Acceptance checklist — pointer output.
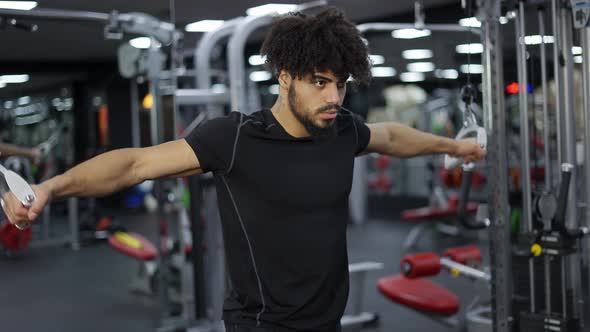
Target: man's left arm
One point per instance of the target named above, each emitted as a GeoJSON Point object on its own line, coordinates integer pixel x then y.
{"type": "Point", "coordinates": [395, 139]}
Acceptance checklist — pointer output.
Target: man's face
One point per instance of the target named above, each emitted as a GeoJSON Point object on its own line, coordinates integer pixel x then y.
{"type": "Point", "coordinates": [315, 101]}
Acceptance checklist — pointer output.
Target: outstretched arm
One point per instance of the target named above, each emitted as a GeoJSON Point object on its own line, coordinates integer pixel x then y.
{"type": "Point", "coordinates": [398, 140]}
{"type": "Point", "coordinates": [109, 172]}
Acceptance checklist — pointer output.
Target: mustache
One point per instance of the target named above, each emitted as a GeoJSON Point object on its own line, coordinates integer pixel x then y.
{"type": "Point", "coordinates": [328, 108]}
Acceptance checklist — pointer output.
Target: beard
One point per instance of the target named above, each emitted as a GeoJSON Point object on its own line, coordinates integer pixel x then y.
{"type": "Point", "coordinates": [306, 117]}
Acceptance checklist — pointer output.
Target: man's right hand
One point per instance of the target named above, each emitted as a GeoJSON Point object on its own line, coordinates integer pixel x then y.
{"type": "Point", "coordinates": [18, 214]}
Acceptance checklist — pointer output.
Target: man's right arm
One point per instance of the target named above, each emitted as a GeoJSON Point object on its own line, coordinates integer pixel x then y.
{"type": "Point", "coordinates": [110, 172]}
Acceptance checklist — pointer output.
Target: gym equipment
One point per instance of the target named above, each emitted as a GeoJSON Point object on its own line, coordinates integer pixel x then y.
{"type": "Point", "coordinates": [14, 239]}
{"type": "Point", "coordinates": [434, 301]}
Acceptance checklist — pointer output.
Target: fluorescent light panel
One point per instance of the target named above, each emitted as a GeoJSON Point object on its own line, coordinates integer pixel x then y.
{"type": "Point", "coordinates": [410, 33]}
{"type": "Point", "coordinates": [279, 8]}
{"type": "Point", "coordinates": [141, 42]}
{"type": "Point", "coordinates": [256, 60]}
{"type": "Point", "coordinates": [417, 54]}
{"type": "Point", "coordinates": [449, 74]}
{"type": "Point", "coordinates": [576, 50]}
{"type": "Point", "coordinates": [471, 22]}
{"type": "Point", "coordinates": [473, 48]}
{"type": "Point", "coordinates": [273, 89]}
{"type": "Point", "coordinates": [472, 69]}
{"type": "Point", "coordinates": [203, 26]}
{"type": "Point", "coordinates": [377, 59]}
{"type": "Point", "coordinates": [14, 79]}
{"type": "Point", "coordinates": [2, 85]}
{"type": "Point", "coordinates": [420, 67]}
{"type": "Point", "coordinates": [578, 59]}
{"type": "Point", "coordinates": [411, 77]}
{"type": "Point", "coordinates": [18, 5]}
{"type": "Point", "coordinates": [536, 39]}
{"type": "Point", "coordinates": [259, 76]}
{"type": "Point", "coordinates": [383, 72]}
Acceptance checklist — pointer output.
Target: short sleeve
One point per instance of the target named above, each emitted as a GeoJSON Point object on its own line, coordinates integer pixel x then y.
{"type": "Point", "coordinates": [212, 143]}
{"type": "Point", "coordinates": [363, 134]}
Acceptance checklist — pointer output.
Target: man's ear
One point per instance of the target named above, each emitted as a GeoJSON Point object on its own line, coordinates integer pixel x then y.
{"type": "Point", "coordinates": [285, 79]}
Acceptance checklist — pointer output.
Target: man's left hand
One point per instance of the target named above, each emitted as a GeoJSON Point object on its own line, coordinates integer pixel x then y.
{"type": "Point", "coordinates": [468, 149]}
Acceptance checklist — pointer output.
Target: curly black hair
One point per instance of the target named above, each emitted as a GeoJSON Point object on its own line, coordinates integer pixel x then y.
{"type": "Point", "coordinates": [302, 44]}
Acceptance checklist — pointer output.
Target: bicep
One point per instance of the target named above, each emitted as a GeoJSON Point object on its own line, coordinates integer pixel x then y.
{"type": "Point", "coordinates": [380, 141]}
{"type": "Point", "coordinates": [170, 159]}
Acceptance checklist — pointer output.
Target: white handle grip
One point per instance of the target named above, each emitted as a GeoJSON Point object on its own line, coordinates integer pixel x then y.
{"type": "Point", "coordinates": [481, 139]}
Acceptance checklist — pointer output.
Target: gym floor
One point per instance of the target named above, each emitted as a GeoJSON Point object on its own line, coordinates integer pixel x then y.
{"type": "Point", "coordinates": [61, 290]}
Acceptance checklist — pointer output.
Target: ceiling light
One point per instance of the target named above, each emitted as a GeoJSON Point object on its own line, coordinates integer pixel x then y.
{"type": "Point", "coordinates": [416, 54]}
{"type": "Point", "coordinates": [14, 78]}
{"type": "Point", "coordinates": [273, 89]}
{"type": "Point", "coordinates": [270, 8]}
{"type": "Point", "coordinates": [377, 59]}
{"type": "Point", "coordinates": [259, 76]}
{"type": "Point", "coordinates": [449, 74]}
{"type": "Point", "coordinates": [411, 77]}
{"type": "Point", "coordinates": [472, 69]}
{"type": "Point", "coordinates": [256, 60]}
{"type": "Point", "coordinates": [578, 59]}
{"type": "Point", "coordinates": [471, 22]}
{"type": "Point", "coordinates": [503, 20]}
{"type": "Point", "coordinates": [383, 72]}
{"type": "Point", "coordinates": [420, 67]}
{"type": "Point", "coordinates": [536, 39]}
{"type": "Point", "coordinates": [22, 101]}
{"type": "Point", "coordinates": [473, 48]}
{"type": "Point", "coordinates": [203, 26]}
{"type": "Point", "coordinates": [142, 42]}
{"type": "Point", "coordinates": [2, 85]}
{"type": "Point", "coordinates": [18, 5]}
{"type": "Point", "coordinates": [576, 50]}
{"type": "Point", "coordinates": [219, 88]}
{"type": "Point", "coordinates": [410, 33]}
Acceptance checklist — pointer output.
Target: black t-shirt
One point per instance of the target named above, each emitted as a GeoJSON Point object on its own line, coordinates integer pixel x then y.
{"type": "Point", "coordinates": [284, 208]}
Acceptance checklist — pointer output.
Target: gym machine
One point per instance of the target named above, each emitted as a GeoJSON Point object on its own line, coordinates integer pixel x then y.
{"type": "Point", "coordinates": [536, 282]}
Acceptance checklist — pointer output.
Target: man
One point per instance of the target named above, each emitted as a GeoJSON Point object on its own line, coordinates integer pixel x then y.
{"type": "Point", "coordinates": [283, 177]}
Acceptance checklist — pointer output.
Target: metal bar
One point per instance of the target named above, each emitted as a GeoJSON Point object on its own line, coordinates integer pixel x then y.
{"type": "Point", "coordinates": [57, 14]}
{"type": "Point", "coordinates": [73, 221]}
{"type": "Point", "coordinates": [546, 131]}
{"type": "Point", "coordinates": [558, 78]}
{"type": "Point", "coordinates": [135, 126]}
{"type": "Point", "coordinates": [524, 139]}
{"type": "Point", "coordinates": [385, 26]}
{"type": "Point", "coordinates": [572, 261]}
{"type": "Point", "coordinates": [202, 59]}
{"type": "Point", "coordinates": [235, 60]}
{"type": "Point", "coordinates": [200, 96]}
{"type": "Point", "coordinates": [464, 269]}
{"type": "Point", "coordinates": [546, 123]}
{"type": "Point", "coordinates": [495, 125]}
{"type": "Point", "coordinates": [585, 38]}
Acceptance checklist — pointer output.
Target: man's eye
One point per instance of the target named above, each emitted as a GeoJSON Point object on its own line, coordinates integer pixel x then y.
{"type": "Point", "coordinates": [319, 84]}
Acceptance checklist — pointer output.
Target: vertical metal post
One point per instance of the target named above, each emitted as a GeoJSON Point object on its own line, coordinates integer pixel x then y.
{"type": "Point", "coordinates": [547, 156]}
{"type": "Point", "coordinates": [557, 58]}
{"type": "Point", "coordinates": [524, 139]}
{"type": "Point", "coordinates": [585, 37]}
{"type": "Point", "coordinates": [495, 124]}
{"type": "Point", "coordinates": [572, 261]}
{"type": "Point", "coordinates": [73, 221]}
{"type": "Point", "coordinates": [546, 123]}
{"type": "Point", "coordinates": [135, 127]}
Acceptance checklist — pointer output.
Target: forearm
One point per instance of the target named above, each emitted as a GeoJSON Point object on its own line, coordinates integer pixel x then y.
{"type": "Point", "coordinates": [409, 142]}
{"type": "Point", "coordinates": [102, 175]}
{"type": "Point", "coordinates": [7, 150]}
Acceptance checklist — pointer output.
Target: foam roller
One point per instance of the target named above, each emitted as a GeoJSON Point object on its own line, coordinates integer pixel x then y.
{"type": "Point", "coordinates": [464, 255]}
{"type": "Point", "coordinates": [420, 265]}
